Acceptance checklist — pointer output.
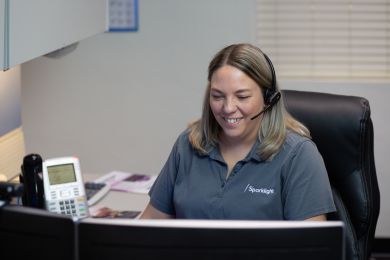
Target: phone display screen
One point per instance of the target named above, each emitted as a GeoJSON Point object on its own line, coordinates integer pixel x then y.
{"type": "Point", "coordinates": [60, 174]}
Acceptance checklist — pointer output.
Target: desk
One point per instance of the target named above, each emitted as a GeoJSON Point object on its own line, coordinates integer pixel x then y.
{"type": "Point", "coordinates": [117, 200]}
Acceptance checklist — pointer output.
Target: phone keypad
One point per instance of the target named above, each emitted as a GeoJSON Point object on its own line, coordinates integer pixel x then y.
{"type": "Point", "coordinates": [73, 207]}
{"type": "Point", "coordinates": [68, 207]}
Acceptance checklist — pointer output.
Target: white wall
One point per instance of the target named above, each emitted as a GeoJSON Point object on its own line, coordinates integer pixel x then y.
{"type": "Point", "coordinates": [120, 100]}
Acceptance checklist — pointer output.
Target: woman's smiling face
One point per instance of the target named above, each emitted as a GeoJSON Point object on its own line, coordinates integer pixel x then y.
{"type": "Point", "coordinates": [234, 99]}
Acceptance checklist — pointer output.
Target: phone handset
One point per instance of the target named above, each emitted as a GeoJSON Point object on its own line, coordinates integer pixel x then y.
{"type": "Point", "coordinates": [64, 187]}
{"type": "Point", "coordinates": [31, 178]}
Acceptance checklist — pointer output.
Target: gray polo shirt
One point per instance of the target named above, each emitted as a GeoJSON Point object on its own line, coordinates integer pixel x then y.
{"type": "Point", "coordinates": [293, 186]}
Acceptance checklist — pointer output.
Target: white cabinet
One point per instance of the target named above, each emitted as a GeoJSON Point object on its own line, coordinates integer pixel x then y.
{"type": "Point", "coordinates": [35, 28]}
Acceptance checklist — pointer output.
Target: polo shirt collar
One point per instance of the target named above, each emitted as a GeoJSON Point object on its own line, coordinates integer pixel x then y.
{"type": "Point", "coordinates": [253, 155]}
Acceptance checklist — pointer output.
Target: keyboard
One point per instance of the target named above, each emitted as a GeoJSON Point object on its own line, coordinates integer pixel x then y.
{"type": "Point", "coordinates": [95, 191]}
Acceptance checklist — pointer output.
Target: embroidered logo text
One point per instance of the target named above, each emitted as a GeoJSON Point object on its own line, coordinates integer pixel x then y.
{"type": "Point", "coordinates": [252, 189]}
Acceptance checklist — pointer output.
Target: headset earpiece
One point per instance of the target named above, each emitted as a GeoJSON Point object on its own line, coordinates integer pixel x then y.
{"type": "Point", "coordinates": [271, 95]}
{"type": "Point", "coordinates": [273, 99]}
{"type": "Point", "coordinates": [268, 94]}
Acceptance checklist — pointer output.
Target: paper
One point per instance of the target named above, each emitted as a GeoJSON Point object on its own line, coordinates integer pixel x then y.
{"type": "Point", "coordinates": [106, 212]}
{"type": "Point", "coordinates": [128, 182]}
{"type": "Point", "coordinates": [123, 15]}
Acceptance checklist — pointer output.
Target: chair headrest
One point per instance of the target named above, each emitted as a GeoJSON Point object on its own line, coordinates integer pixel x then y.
{"type": "Point", "coordinates": [339, 126]}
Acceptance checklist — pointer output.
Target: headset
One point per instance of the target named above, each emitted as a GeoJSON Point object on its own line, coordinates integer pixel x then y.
{"type": "Point", "coordinates": [271, 95]}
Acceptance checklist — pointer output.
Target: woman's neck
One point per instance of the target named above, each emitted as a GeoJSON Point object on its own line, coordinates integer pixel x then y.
{"type": "Point", "coordinates": [233, 143]}
{"type": "Point", "coordinates": [236, 149]}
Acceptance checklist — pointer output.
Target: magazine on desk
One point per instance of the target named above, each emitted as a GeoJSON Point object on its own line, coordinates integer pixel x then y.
{"type": "Point", "coordinates": [128, 182]}
{"type": "Point", "coordinates": [106, 212]}
{"type": "Point", "coordinates": [125, 182]}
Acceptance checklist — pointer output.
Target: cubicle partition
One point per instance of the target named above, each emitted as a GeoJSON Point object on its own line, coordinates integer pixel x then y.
{"type": "Point", "coordinates": [210, 239]}
{"type": "Point", "coordinates": [29, 233]}
{"type": "Point", "coordinates": [38, 234]}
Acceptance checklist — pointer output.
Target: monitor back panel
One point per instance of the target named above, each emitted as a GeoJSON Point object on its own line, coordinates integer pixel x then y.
{"type": "Point", "coordinates": [102, 241]}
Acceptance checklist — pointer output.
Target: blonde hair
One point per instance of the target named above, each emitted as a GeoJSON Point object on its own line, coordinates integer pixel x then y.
{"type": "Point", "coordinates": [276, 121]}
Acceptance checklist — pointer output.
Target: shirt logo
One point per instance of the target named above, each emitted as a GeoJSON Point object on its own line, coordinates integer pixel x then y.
{"type": "Point", "coordinates": [250, 188]}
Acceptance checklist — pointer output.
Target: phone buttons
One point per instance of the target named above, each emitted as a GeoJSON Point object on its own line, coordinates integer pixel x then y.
{"type": "Point", "coordinates": [64, 193]}
{"type": "Point", "coordinates": [76, 191]}
{"type": "Point", "coordinates": [53, 195]}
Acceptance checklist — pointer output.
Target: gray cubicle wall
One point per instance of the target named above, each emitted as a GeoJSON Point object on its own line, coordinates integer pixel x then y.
{"type": "Point", "coordinates": [11, 133]}
{"type": "Point", "coordinates": [10, 109]}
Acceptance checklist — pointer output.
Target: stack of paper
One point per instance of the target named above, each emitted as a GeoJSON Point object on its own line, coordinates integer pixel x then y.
{"type": "Point", "coordinates": [128, 182]}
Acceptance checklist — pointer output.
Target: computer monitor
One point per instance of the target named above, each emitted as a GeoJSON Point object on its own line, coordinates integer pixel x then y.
{"type": "Point", "coordinates": [210, 239]}
{"type": "Point", "coordinates": [29, 233]}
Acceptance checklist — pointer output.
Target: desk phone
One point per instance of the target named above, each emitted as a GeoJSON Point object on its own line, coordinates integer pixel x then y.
{"type": "Point", "coordinates": [63, 187]}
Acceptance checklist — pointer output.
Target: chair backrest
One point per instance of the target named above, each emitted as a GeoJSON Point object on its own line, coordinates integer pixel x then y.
{"type": "Point", "coordinates": [342, 129]}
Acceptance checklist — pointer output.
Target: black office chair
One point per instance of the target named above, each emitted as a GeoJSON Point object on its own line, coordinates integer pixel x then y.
{"type": "Point", "coordinates": [342, 129]}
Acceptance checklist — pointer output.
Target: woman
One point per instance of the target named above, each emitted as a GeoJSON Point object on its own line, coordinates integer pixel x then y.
{"type": "Point", "coordinates": [246, 158]}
